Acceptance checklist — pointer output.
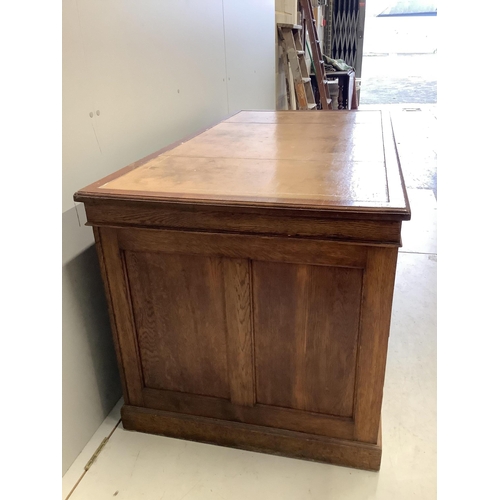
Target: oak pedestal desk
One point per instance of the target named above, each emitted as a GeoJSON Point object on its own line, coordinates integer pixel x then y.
{"type": "Point", "coordinates": [249, 273]}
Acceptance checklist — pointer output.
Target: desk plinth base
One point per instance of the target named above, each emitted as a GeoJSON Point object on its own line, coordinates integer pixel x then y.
{"type": "Point", "coordinates": [355, 454]}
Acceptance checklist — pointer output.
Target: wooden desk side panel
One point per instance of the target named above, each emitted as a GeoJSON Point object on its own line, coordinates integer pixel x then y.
{"type": "Point", "coordinates": [121, 315]}
{"type": "Point", "coordinates": [376, 311]}
{"type": "Point", "coordinates": [348, 226]}
{"type": "Point", "coordinates": [254, 438]}
{"type": "Point", "coordinates": [111, 312]}
{"type": "Point", "coordinates": [239, 330]}
{"type": "Point", "coordinates": [346, 292]}
{"type": "Point", "coordinates": [180, 321]}
{"type": "Point", "coordinates": [306, 335]}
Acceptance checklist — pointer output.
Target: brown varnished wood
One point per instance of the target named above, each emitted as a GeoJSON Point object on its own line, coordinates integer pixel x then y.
{"type": "Point", "coordinates": [374, 336]}
{"type": "Point", "coordinates": [341, 164]}
{"type": "Point", "coordinates": [112, 315]}
{"type": "Point", "coordinates": [123, 316]}
{"type": "Point", "coordinates": [147, 158]}
{"type": "Point", "coordinates": [255, 438]}
{"type": "Point", "coordinates": [123, 214]}
{"type": "Point", "coordinates": [304, 166]}
{"type": "Point", "coordinates": [249, 273]}
{"type": "Point", "coordinates": [191, 178]}
{"type": "Point", "coordinates": [180, 321]}
{"type": "Point", "coordinates": [237, 288]}
{"type": "Point", "coordinates": [305, 358]}
{"type": "Point", "coordinates": [243, 246]}
{"type": "Point", "coordinates": [258, 414]}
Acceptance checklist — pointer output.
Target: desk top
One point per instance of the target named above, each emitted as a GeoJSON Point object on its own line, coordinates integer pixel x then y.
{"type": "Point", "coordinates": [332, 161]}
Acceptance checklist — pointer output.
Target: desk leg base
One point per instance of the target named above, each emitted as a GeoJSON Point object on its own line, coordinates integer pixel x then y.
{"type": "Point", "coordinates": [254, 438]}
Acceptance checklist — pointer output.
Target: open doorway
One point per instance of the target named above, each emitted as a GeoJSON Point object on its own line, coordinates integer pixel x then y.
{"type": "Point", "coordinates": [399, 52]}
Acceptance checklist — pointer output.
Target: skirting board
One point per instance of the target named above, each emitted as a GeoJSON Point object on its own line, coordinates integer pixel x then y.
{"type": "Point", "coordinates": [254, 438]}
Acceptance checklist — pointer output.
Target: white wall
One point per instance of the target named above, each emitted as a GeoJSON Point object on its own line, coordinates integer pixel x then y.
{"type": "Point", "coordinates": [156, 71]}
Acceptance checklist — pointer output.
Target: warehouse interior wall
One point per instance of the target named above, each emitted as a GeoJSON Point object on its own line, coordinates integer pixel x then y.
{"type": "Point", "coordinates": [138, 76]}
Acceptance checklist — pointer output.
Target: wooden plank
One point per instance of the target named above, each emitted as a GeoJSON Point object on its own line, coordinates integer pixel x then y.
{"type": "Point", "coordinates": [273, 159]}
{"type": "Point", "coordinates": [317, 56]}
{"type": "Point", "coordinates": [111, 312]}
{"type": "Point", "coordinates": [306, 336]}
{"type": "Point", "coordinates": [303, 68]}
{"type": "Point", "coordinates": [290, 87]}
{"type": "Point", "coordinates": [335, 148]}
{"type": "Point", "coordinates": [301, 180]}
{"type": "Point", "coordinates": [96, 185]}
{"type": "Point", "coordinates": [291, 52]}
{"type": "Point", "coordinates": [236, 246]}
{"type": "Point", "coordinates": [123, 316]}
{"type": "Point", "coordinates": [267, 415]}
{"type": "Point", "coordinates": [373, 341]}
{"type": "Point", "coordinates": [293, 37]}
{"type": "Point", "coordinates": [255, 438]}
{"type": "Point", "coordinates": [180, 321]}
{"type": "Point", "coordinates": [238, 295]}
{"type": "Point", "coordinates": [289, 26]}
{"type": "Point", "coordinates": [296, 224]}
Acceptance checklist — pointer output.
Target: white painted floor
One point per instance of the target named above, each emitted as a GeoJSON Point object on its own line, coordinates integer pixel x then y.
{"type": "Point", "coordinates": [134, 466]}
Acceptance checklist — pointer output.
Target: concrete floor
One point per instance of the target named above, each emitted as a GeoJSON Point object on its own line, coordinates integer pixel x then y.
{"type": "Point", "coordinates": [400, 58]}
{"type": "Point", "coordinates": [133, 465]}
{"type": "Point", "coordinates": [415, 127]}
{"type": "Point", "coordinates": [399, 78]}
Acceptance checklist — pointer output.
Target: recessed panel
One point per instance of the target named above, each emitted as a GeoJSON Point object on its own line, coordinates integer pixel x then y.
{"type": "Point", "coordinates": [178, 303]}
{"type": "Point", "coordinates": [306, 321]}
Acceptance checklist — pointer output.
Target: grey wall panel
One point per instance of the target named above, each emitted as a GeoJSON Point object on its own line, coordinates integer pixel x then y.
{"type": "Point", "coordinates": [138, 76]}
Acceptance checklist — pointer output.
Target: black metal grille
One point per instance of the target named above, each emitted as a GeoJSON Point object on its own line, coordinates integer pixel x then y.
{"type": "Point", "coordinates": [344, 40]}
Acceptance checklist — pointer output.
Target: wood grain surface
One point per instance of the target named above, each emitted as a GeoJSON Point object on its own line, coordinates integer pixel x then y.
{"type": "Point", "coordinates": [375, 324]}
{"type": "Point", "coordinates": [258, 414]}
{"type": "Point", "coordinates": [237, 246]}
{"type": "Point", "coordinates": [179, 315]}
{"type": "Point", "coordinates": [237, 288]}
{"type": "Point", "coordinates": [249, 273]}
{"type": "Point", "coordinates": [306, 335]}
{"type": "Point", "coordinates": [283, 158]}
{"type": "Point", "coordinates": [254, 438]}
{"type": "Point", "coordinates": [374, 228]}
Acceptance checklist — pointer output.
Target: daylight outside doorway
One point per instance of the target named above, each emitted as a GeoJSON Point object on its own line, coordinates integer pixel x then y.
{"type": "Point", "coordinates": [399, 53]}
